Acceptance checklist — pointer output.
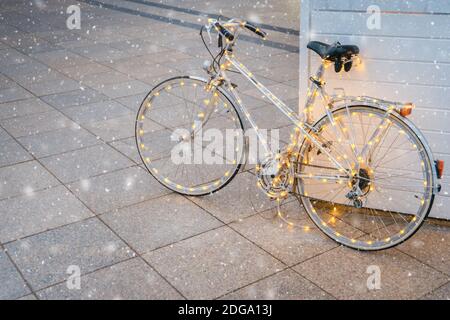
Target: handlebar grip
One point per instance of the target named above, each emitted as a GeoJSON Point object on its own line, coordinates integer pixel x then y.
{"type": "Point", "coordinates": [227, 34]}
{"type": "Point", "coordinates": [255, 29]}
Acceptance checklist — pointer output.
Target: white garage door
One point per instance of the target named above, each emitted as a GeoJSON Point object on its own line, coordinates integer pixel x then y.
{"type": "Point", "coordinates": [406, 57]}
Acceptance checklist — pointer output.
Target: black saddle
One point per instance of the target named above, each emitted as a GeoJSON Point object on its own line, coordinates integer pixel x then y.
{"type": "Point", "coordinates": [334, 53]}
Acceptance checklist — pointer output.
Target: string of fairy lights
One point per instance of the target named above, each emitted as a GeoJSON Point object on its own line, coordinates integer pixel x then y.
{"type": "Point", "coordinates": [283, 183]}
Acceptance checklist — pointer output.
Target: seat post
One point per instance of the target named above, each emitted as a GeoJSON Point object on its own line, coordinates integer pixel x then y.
{"type": "Point", "coordinates": [320, 71]}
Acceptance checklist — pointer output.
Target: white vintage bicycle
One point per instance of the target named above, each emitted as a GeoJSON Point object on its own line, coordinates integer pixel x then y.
{"type": "Point", "coordinates": [363, 172]}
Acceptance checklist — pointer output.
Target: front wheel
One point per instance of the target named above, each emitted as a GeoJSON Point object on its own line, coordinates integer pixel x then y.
{"type": "Point", "coordinates": [386, 190]}
{"type": "Point", "coordinates": [189, 136]}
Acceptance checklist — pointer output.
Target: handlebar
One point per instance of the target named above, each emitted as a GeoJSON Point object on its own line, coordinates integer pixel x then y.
{"type": "Point", "coordinates": [223, 28]}
{"type": "Point", "coordinates": [255, 29]}
{"type": "Point", "coordinates": [227, 34]}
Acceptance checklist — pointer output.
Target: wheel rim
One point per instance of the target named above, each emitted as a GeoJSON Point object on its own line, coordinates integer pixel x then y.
{"type": "Point", "coordinates": [395, 202]}
{"type": "Point", "coordinates": [169, 127]}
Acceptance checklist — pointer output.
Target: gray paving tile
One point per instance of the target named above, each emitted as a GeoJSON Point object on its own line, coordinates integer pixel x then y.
{"type": "Point", "coordinates": [197, 52]}
{"type": "Point", "coordinates": [137, 46]}
{"type": "Point", "coordinates": [289, 244]}
{"type": "Point", "coordinates": [28, 297]}
{"type": "Point", "coordinates": [123, 89]}
{"type": "Point", "coordinates": [20, 40]}
{"type": "Point", "coordinates": [136, 34]}
{"type": "Point", "coordinates": [60, 58]}
{"type": "Point", "coordinates": [283, 73]}
{"type": "Point", "coordinates": [282, 91]}
{"type": "Point", "coordinates": [285, 285]}
{"type": "Point", "coordinates": [128, 148]}
{"type": "Point", "coordinates": [239, 199]}
{"type": "Point", "coordinates": [58, 141]}
{"type": "Point", "coordinates": [13, 286]}
{"type": "Point", "coordinates": [80, 41]}
{"type": "Point", "coordinates": [39, 211]}
{"type": "Point", "coordinates": [251, 102]}
{"type": "Point", "coordinates": [4, 135]}
{"type": "Point", "coordinates": [11, 152]}
{"type": "Point", "coordinates": [35, 45]}
{"type": "Point", "coordinates": [100, 52]}
{"type": "Point", "coordinates": [43, 88]}
{"type": "Point", "coordinates": [57, 36]}
{"type": "Point", "coordinates": [36, 123]}
{"type": "Point", "coordinates": [98, 111]}
{"type": "Point", "coordinates": [22, 108]}
{"type": "Point", "coordinates": [259, 51]}
{"type": "Point", "coordinates": [128, 280]}
{"type": "Point", "coordinates": [80, 72]}
{"type": "Point", "coordinates": [156, 223]}
{"type": "Point", "coordinates": [430, 236]}
{"type": "Point", "coordinates": [44, 258]}
{"type": "Point", "coordinates": [84, 163]}
{"type": "Point", "coordinates": [115, 129]}
{"type": "Point", "coordinates": [212, 264]}
{"type": "Point", "coordinates": [36, 75]}
{"type": "Point", "coordinates": [140, 71]}
{"type": "Point", "coordinates": [118, 189]}
{"type": "Point", "coordinates": [186, 65]}
{"type": "Point", "coordinates": [99, 80]}
{"type": "Point", "coordinates": [12, 56]}
{"type": "Point", "coordinates": [31, 27]}
{"type": "Point", "coordinates": [442, 293]}
{"type": "Point", "coordinates": [132, 102]}
{"type": "Point", "coordinates": [149, 62]}
{"type": "Point", "coordinates": [293, 83]}
{"type": "Point", "coordinates": [13, 94]}
{"type": "Point", "coordinates": [27, 72]}
{"type": "Point", "coordinates": [344, 273]}
{"type": "Point", "coordinates": [153, 80]}
{"type": "Point", "coordinates": [107, 34]}
{"type": "Point", "coordinates": [24, 178]}
{"type": "Point", "coordinates": [5, 83]}
{"type": "Point", "coordinates": [74, 98]}
{"type": "Point", "coordinates": [268, 117]}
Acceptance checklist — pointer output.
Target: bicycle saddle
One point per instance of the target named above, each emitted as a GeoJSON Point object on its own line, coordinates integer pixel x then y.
{"type": "Point", "coordinates": [334, 52]}
{"type": "Point", "coordinates": [331, 52]}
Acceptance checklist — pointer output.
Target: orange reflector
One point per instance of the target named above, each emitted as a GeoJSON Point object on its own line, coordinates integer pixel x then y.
{"type": "Point", "coordinates": [406, 109]}
{"type": "Point", "coordinates": [440, 168]}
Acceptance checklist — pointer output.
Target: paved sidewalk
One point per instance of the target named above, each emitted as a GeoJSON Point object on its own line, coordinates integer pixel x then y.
{"type": "Point", "coordinates": [73, 191]}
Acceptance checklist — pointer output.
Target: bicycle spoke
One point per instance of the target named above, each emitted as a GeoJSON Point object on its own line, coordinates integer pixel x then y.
{"type": "Point", "coordinates": [179, 103]}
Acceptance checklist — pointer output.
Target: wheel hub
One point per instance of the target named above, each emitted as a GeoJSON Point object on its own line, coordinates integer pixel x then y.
{"type": "Point", "coordinates": [364, 180]}
{"type": "Point", "coordinates": [361, 186]}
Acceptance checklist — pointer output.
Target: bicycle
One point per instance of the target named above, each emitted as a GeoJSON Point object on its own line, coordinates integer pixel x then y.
{"type": "Point", "coordinates": [363, 172]}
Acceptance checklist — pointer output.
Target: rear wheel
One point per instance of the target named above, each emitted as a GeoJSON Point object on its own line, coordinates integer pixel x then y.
{"type": "Point", "coordinates": [189, 138]}
{"type": "Point", "coordinates": [386, 193]}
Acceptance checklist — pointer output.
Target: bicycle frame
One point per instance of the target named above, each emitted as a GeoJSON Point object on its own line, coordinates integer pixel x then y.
{"type": "Point", "coordinates": [347, 156]}
{"type": "Point", "coordinates": [316, 88]}
{"type": "Point", "coordinates": [304, 127]}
